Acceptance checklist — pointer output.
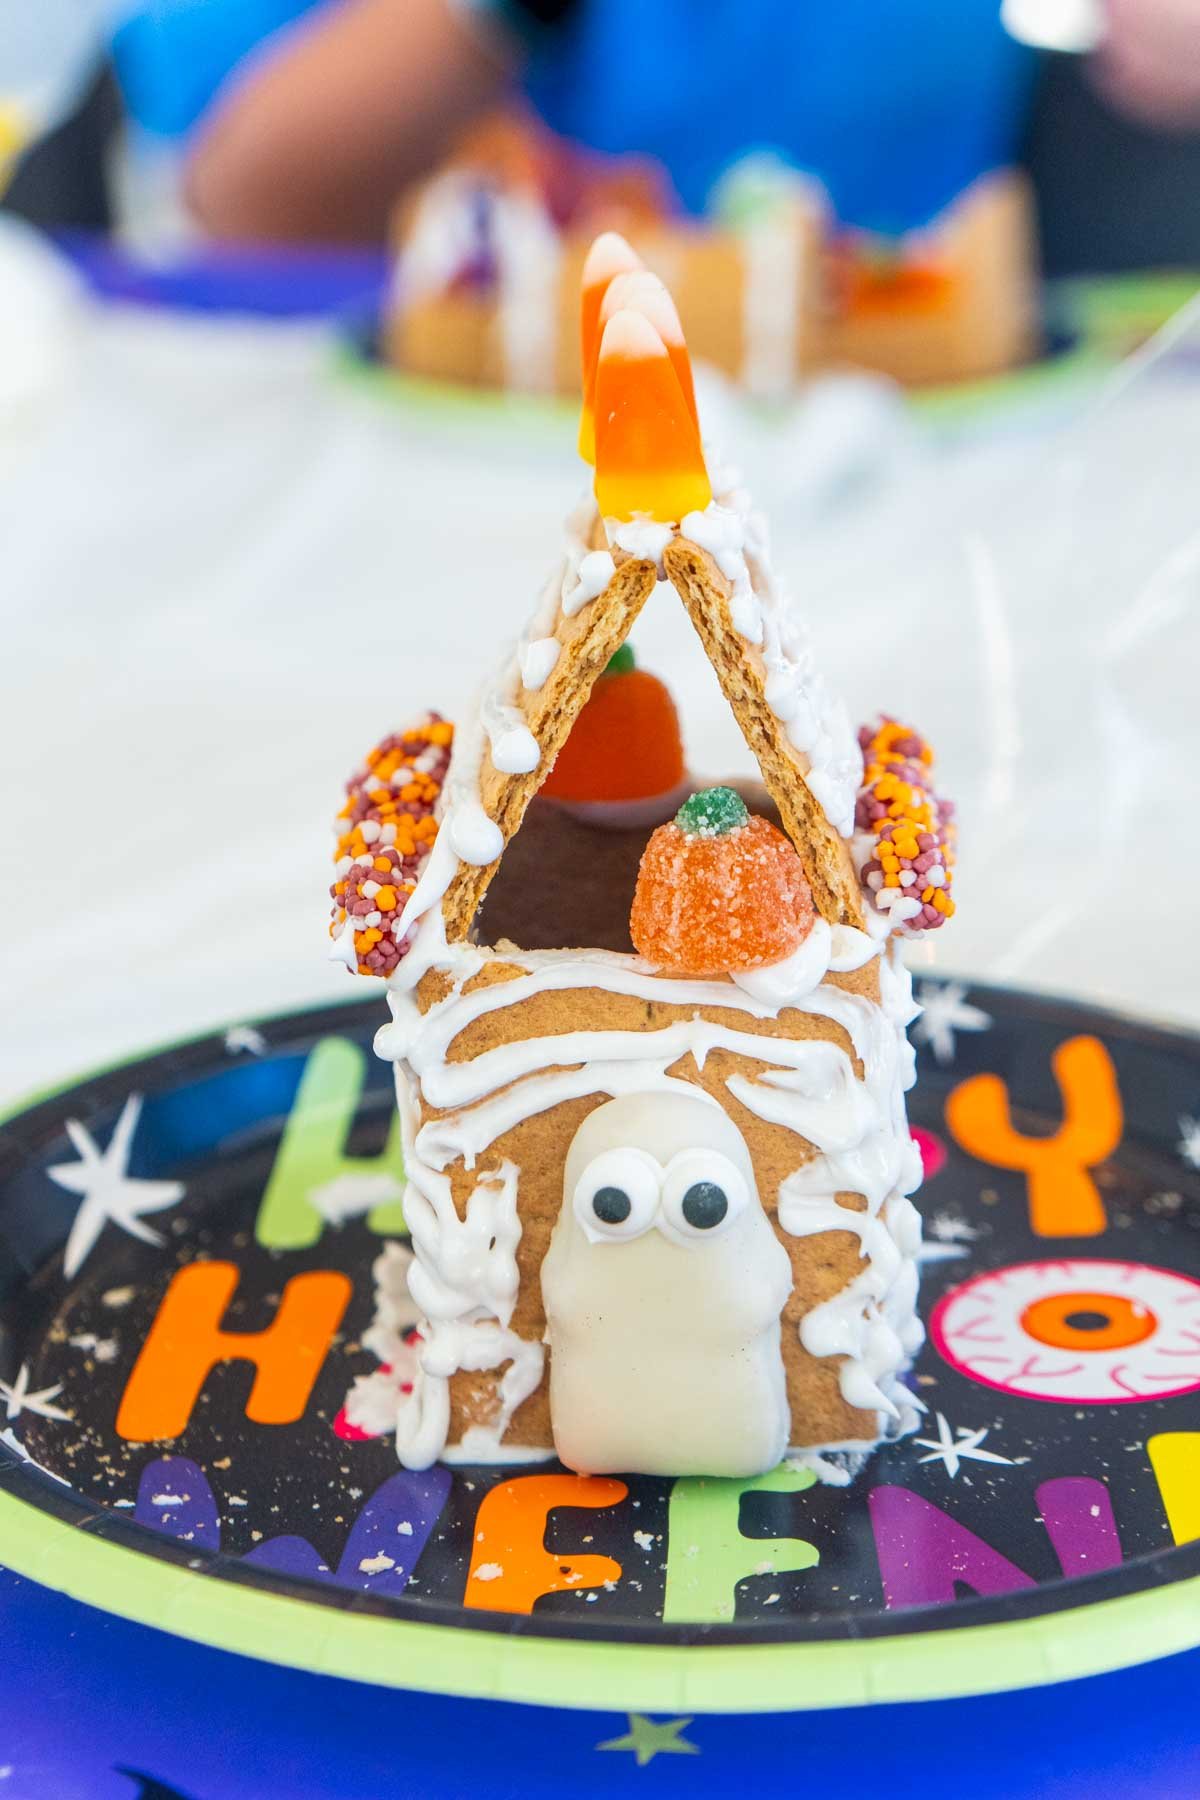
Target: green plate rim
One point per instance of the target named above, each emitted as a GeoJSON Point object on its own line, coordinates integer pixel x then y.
{"type": "Point", "coordinates": [948, 1663]}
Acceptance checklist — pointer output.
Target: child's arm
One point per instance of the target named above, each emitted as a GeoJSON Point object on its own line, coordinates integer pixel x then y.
{"type": "Point", "coordinates": [315, 138]}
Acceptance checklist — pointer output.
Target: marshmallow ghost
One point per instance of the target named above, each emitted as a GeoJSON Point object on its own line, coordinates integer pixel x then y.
{"type": "Point", "coordinates": [663, 1287]}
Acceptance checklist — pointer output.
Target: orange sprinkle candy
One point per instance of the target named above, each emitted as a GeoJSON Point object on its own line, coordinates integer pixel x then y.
{"type": "Point", "coordinates": [648, 455]}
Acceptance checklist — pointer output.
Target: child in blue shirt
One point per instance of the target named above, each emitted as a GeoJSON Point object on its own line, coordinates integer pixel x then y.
{"type": "Point", "coordinates": [895, 105]}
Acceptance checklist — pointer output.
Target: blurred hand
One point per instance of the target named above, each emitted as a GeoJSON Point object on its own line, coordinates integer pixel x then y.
{"type": "Point", "coordinates": [1148, 64]}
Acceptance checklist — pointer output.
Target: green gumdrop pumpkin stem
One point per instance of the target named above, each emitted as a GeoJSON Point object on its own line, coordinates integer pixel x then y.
{"type": "Point", "coordinates": [712, 813]}
{"type": "Point", "coordinates": [621, 661]}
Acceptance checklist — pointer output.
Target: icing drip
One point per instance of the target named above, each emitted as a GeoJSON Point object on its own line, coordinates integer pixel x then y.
{"type": "Point", "coordinates": [465, 1280]}
{"type": "Point", "coordinates": [818, 726]}
{"type": "Point", "coordinates": [514, 748]}
{"type": "Point", "coordinates": [374, 1399]}
{"type": "Point", "coordinates": [539, 658]}
{"type": "Point", "coordinates": [857, 1125]}
{"type": "Point", "coordinates": [585, 578]}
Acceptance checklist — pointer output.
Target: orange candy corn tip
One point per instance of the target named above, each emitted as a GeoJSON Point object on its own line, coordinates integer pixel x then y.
{"type": "Point", "coordinates": [609, 255]}
{"type": "Point", "coordinates": [648, 455]}
{"type": "Point", "coordinates": [642, 291]}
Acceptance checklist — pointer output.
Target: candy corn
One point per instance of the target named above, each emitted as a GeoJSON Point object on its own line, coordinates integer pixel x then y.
{"type": "Point", "coordinates": [641, 291]}
{"type": "Point", "coordinates": [610, 255]}
{"type": "Point", "coordinates": [648, 455]}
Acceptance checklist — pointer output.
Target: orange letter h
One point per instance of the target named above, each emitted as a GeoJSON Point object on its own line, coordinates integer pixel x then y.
{"type": "Point", "coordinates": [186, 1342]}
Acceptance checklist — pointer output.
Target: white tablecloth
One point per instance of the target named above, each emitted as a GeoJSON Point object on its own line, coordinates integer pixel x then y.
{"type": "Point", "coordinates": [225, 570]}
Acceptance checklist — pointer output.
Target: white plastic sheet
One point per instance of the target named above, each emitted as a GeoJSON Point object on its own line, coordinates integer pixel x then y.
{"type": "Point", "coordinates": [224, 571]}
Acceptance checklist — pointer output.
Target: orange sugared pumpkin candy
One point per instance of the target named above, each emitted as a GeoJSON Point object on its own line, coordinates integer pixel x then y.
{"type": "Point", "coordinates": [625, 744]}
{"type": "Point", "coordinates": [719, 891]}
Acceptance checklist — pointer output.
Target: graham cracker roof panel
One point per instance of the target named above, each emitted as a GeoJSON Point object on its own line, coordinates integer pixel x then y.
{"type": "Point", "coordinates": [705, 593]}
{"type": "Point", "coordinates": [587, 640]}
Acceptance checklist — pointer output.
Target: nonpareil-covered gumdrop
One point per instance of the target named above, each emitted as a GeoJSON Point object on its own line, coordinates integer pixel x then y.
{"type": "Point", "coordinates": [625, 744]}
{"type": "Point", "coordinates": [719, 890]}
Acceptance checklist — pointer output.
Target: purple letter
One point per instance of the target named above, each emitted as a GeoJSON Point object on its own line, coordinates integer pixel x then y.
{"type": "Point", "coordinates": [1080, 1524]}
{"type": "Point", "coordinates": [922, 1552]}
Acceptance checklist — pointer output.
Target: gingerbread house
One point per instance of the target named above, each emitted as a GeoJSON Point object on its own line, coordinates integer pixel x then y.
{"type": "Point", "coordinates": [488, 254]}
{"type": "Point", "coordinates": [659, 1202]}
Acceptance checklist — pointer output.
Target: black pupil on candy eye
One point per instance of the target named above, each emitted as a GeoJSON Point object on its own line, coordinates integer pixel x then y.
{"type": "Point", "coordinates": [704, 1205]}
{"type": "Point", "coordinates": [1087, 1321]}
{"type": "Point", "coordinates": [611, 1205]}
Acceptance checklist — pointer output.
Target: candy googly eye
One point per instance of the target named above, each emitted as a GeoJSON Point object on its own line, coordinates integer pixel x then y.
{"type": "Point", "coordinates": [703, 1193]}
{"type": "Point", "coordinates": [617, 1196]}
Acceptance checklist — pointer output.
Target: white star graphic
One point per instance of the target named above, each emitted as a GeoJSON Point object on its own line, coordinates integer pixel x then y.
{"type": "Point", "coordinates": [945, 1010]}
{"type": "Point", "coordinates": [952, 1237]}
{"type": "Point", "coordinates": [13, 1443]}
{"type": "Point", "coordinates": [109, 1193]}
{"type": "Point", "coordinates": [18, 1399]}
{"type": "Point", "coordinates": [1189, 1140]}
{"type": "Point", "coordinates": [951, 1450]}
{"type": "Point", "coordinates": [245, 1037]}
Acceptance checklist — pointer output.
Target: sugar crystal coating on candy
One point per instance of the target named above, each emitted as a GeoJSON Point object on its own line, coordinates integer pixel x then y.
{"type": "Point", "coordinates": [649, 461]}
{"type": "Point", "coordinates": [385, 832]}
{"type": "Point", "coordinates": [912, 856]}
{"type": "Point", "coordinates": [715, 903]}
{"type": "Point", "coordinates": [712, 811]}
{"type": "Point", "coordinates": [625, 744]}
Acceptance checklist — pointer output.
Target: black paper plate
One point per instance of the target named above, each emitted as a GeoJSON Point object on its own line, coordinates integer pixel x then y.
{"type": "Point", "coordinates": [1039, 1524]}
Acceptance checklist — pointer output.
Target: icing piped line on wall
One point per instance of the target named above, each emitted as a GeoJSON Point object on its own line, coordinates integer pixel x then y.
{"type": "Point", "coordinates": [811, 1088]}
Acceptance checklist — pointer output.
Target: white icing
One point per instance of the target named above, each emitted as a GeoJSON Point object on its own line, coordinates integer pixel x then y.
{"type": "Point", "coordinates": [465, 1280]}
{"type": "Point", "coordinates": [856, 1124]}
{"type": "Point", "coordinates": [811, 1087]}
{"type": "Point", "coordinates": [774, 981]}
{"type": "Point", "coordinates": [818, 726]}
{"type": "Point", "coordinates": [539, 658]}
{"type": "Point", "coordinates": [643, 538]}
{"type": "Point", "coordinates": [514, 748]}
{"type": "Point", "coordinates": [665, 1351]}
{"type": "Point", "coordinates": [585, 579]}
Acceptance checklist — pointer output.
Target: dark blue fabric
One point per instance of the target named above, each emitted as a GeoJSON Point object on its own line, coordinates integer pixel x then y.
{"type": "Point", "coordinates": [896, 105]}
{"type": "Point", "coordinates": [171, 56]}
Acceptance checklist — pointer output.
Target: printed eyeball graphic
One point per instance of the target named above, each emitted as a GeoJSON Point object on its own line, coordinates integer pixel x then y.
{"type": "Point", "coordinates": [1096, 1333]}
{"type": "Point", "coordinates": [703, 1193]}
{"type": "Point", "coordinates": [617, 1195]}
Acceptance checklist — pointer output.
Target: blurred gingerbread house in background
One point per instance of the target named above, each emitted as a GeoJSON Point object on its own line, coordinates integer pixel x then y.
{"type": "Point", "coordinates": [489, 250]}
